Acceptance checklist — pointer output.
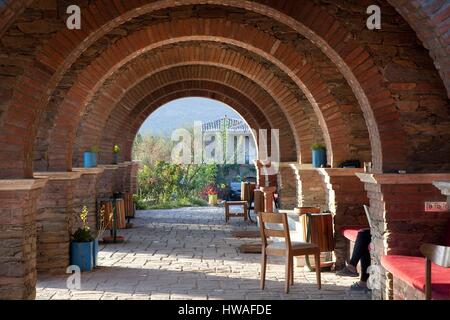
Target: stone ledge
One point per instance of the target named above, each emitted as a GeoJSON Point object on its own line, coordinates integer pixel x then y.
{"type": "Point", "coordinates": [83, 171]}
{"type": "Point", "coordinates": [58, 175]}
{"type": "Point", "coordinates": [339, 172]}
{"type": "Point", "coordinates": [22, 184]}
{"type": "Point", "coordinates": [393, 178]}
{"type": "Point", "coordinates": [109, 166]}
{"type": "Point", "coordinates": [444, 186]}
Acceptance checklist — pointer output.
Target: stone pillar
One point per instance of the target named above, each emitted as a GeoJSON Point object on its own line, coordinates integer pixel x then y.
{"type": "Point", "coordinates": [86, 195]}
{"type": "Point", "coordinates": [345, 196]}
{"type": "Point", "coordinates": [264, 175]}
{"type": "Point", "coordinates": [127, 177]}
{"type": "Point", "coordinates": [121, 177]}
{"type": "Point", "coordinates": [107, 183]}
{"type": "Point", "coordinates": [399, 221]}
{"type": "Point", "coordinates": [135, 165]}
{"type": "Point", "coordinates": [310, 187]}
{"type": "Point", "coordinates": [268, 198]}
{"type": "Point", "coordinates": [287, 186]}
{"type": "Point", "coordinates": [444, 186]}
{"type": "Point", "coordinates": [18, 209]}
{"type": "Point", "coordinates": [54, 220]}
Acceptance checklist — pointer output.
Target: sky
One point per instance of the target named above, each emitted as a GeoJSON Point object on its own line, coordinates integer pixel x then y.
{"type": "Point", "coordinates": [182, 112]}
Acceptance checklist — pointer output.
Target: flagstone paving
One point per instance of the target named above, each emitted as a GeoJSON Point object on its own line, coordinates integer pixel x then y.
{"type": "Point", "coordinates": [189, 253]}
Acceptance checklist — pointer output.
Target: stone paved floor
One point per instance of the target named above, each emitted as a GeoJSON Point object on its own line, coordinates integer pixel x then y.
{"type": "Point", "coordinates": [188, 254]}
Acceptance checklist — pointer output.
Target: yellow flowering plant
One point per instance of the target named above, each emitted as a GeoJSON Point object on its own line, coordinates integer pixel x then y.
{"type": "Point", "coordinates": [83, 234]}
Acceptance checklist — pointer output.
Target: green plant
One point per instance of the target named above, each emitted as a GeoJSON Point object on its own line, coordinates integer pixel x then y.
{"type": "Point", "coordinates": [83, 234]}
{"type": "Point", "coordinates": [116, 149]}
{"type": "Point", "coordinates": [317, 146]}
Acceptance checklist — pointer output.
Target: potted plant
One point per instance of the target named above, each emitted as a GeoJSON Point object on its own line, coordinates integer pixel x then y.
{"type": "Point", "coordinates": [81, 247]}
{"type": "Point", "coordinates": [104, 221]}
{"type": "Point", "coordinates": [90, 157]}
{"type": "Point", "coordinates": [212, 195]}
{"type": "Point", "coordinates": [319, 155]}
{"type": "Point", "coordinates": [116, 150]}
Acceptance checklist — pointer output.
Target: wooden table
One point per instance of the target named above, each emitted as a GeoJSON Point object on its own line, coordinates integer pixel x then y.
{"type": "Point", "coordinates": [229, 214]}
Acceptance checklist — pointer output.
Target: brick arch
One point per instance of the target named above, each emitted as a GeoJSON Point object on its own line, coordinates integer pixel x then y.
{"type": "Point", "coordinates": [125, 132]}
{"type": "Point", "coordinates": [71, 45]}
{"type": "Point", "coordinates": [430, 20]}
{"type": "Point", "coordinates": [146, 94]}
{"type": "Point", "coordinates": [153, 64]}
{"type": "Point", "coordinates": [281, 52]}
{"type": "Point", "coordinates": [133, 129]}
{"type": "Point", "coordinates": [321, 28]}
{"type": "Point", "coordinates": [10, 10]}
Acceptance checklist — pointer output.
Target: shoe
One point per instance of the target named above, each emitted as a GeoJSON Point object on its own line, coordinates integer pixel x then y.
{"type": "Point", "coordinates": [357, 287]}
{"type": "Point", "coordinates": [346, 272]}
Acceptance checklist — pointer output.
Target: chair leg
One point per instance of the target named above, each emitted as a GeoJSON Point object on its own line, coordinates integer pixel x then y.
{"type": "Point", "coordinates": [263, 269]}
{"type": "Point", "coordinates": [292, 271]}
{"type": "Point", "coordinates": [288, 273]}
{"type": "Point", "coordinates": [317, 262]}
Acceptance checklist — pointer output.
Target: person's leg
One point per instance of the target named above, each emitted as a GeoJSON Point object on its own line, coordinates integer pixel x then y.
{"type": "Point", "coordinates": [361, 248]}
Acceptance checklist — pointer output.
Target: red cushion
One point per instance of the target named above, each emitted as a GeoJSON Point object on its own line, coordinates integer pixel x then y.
{"type": "Point", "coordinates": [351, 232]}
{"type": "Point", "coordinates": [412, 271]}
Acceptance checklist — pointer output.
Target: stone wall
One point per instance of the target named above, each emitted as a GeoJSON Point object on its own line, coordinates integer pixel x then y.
{"type": "Point", "coordinates": [345, 196]}
{"type": "Point", "coordinates": [86, 195]}
{"type": "Point", "coordinates": [55, 216]}
{"type": "Point", "coordinates": [18, 206]}
{"type": "Point", "coordinates": [287, 187]}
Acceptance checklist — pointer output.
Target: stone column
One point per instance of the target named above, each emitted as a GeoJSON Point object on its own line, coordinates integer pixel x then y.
{"type": "Point", "coordinates": [268, 198]}
{"type": "Point", "coordinates": [86, 195]}
{"type": "Point", "coordinates": [310, 187]}
{"type": "Point", "coordinates": [345, 197]}
{"type": "Point", "coordinates": [264, 175]}
{"type": "Point", "coordinates": [135, 165]}
{"type": "Point", "coordinates": [18, 210]}
{"type": "Point", "coordinates": [107, 183]}
{"type": "Point", "coordinates": [444, 186]}
{"type": "Point", "coordinates": [399, 221]}
{"type": "Point", "coordinates": [287, 186]}
{"type": "Point", "coordinates": [54, 219]}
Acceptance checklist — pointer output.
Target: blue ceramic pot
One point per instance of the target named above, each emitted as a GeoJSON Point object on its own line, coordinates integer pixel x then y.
{"type": "Point", "coordinates": [319, 158]}
{"type": "Point", "coordinates": [81, 255]}
{"type": "Point", "coordinates": [95, 253]}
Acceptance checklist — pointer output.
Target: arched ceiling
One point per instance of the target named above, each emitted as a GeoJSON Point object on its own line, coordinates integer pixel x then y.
{"type": "Point", "coordinates": [312, 58]}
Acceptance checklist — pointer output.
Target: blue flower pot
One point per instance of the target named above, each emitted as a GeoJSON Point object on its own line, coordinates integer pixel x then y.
{"type": "Point", "coordinates": [90, 159]}
{"type": "Point", "coordinates": [95, 253]}
{"type": "Point", "coordinates": [116, 158]}
{"type": "Point", "coordinates": [319, 158]}
{"type": "Point", "coordinates": [81, 255]}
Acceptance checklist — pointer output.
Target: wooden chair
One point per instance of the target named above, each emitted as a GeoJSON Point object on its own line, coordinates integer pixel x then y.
{"type": "Point", "coordinates": [229, 214]}
{"type": "Point", "coordinates": [284, 248]}
{"type": "Point", "coordinates": [438, 255]}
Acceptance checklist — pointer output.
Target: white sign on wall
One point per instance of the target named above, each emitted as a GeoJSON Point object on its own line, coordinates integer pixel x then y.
{"type": "Point", "coordinates": [436, 207]}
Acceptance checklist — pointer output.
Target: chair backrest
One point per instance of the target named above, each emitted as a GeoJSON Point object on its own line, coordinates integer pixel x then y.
{"type": "Point", "coordinates": [367, 211]}
{"type": "Point", "coordinates": [281, 231]}
{"type": "Point", "coordinates": [304, 210]}
{"type": "Point", "coordinates": [439, 255]}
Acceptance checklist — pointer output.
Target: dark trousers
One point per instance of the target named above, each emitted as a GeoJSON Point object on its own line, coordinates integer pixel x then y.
{"type": "Point", "coordinates": [361, 253]}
